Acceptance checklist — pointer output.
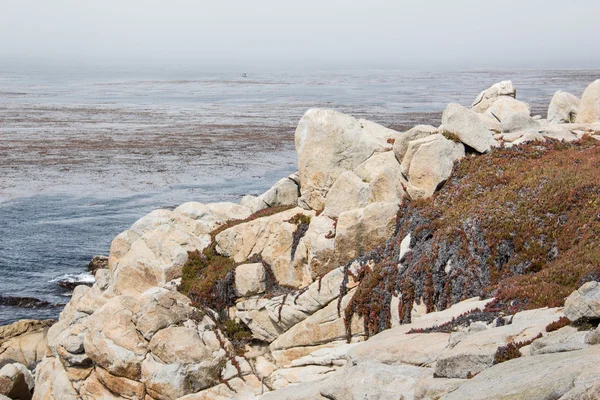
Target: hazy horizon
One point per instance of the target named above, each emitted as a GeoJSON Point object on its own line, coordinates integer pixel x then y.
{"type": "Point", "coordinates": [267, 34]}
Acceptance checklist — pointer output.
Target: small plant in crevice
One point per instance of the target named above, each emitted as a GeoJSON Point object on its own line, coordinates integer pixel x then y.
{"type": "Point", "coordinates": [512, 350]}
{"type": "Point", "coordinates": [556, 325]}
{"type": "Point", "coordinates": [302, 223]}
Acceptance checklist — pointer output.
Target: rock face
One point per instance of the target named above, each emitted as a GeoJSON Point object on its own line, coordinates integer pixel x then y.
{"type": "Point", "coordinates": [584, 302]}
{"type": "Point", "coordinates": [486, 98]}
{"type": "Point", "coordinates": [153, 251]}
{"type": "Point", "coordinates": [329, 143]}
{"type": "Point", "coordinates": [363, 229]}
{"type": "Point", "coordinates": [547, 376]}
{"type": "Point", "coordinates": [271, 238]}
{"type": "Point", "coordinates": [589, 110]}
{"type": "Point", "coordinates": [563, 108]}
{"type": "Point", "coordinates": [24, 342]}
{"type": "Point", "coordinates": [468, 127]}
{"type": "Point", "coordinates": [428, 163]}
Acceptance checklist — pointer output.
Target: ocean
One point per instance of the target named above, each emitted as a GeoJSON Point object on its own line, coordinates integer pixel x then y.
{"type": "Point", "coordinates": [85, 152]}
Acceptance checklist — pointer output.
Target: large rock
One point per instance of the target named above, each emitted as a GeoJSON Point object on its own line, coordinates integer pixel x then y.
{"type": "Point", "coordinates": [541, 377]}
{"type": "Point", "coordinates": [113, 342]}
{"type": "Point", "coordinates": [468, 127]}
{"type": "Point", "coordinates": [489, 96]}
{"type": "Point", "coordinates": [154, 252]}
{"type": "Point", "coordinates": [368, 380]}
{"type": "Point", "coordinates": [378, 179]}
{"type": "Point", "coordinates": [52, 382]}
{"type": "Point", "coordinates": [584, 302]}
{"type": "Point", "coordinates": [284, 193]}
{"type": "Point", "coordinates": [473, 352]}
{"type": "Point", "coordinates": [428, 163]}
{"type": "Point", "coordinates": [16, 381]}
{"type": "Point", "coordinates": [362, 230]}
{"type": "Point", "coordinates": [563, 108]}
{"type": "Point", "coordinates": [182, 361]}
{"type": "Point", "coordinates": [383, 174]}
{"type": "Point", "coordinates": [505, 107]}
{"type": "Point", "coordinates": [322, 327]}
{"type": "Point", "coordinates": [589, 110]}
{"type": "Point", "coordinates": [422, 350]}
{"type": "Point", "coordinates": [349, 192]}
{"type": "Point", "coordinates": [250, 279]}
{"type": "Point", "coordinates": [213, 215]}
{"type": "Point", "coordinates": [329, 143]}
{"type": "Point", "coordinates": [418, 132]}
{"type": "Point", "coordinates": [270, 237]}
{"type": "Point", "coordinates": [24, 341]}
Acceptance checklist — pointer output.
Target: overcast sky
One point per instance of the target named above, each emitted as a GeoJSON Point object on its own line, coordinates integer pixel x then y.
{"type": "Point", "coordinates": [307, 33]}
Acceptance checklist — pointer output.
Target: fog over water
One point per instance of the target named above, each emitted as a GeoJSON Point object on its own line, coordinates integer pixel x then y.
{"type": "Point", "coordinates": [264, 34]}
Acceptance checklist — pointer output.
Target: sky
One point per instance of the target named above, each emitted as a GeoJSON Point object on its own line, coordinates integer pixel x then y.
{"type": "Point", "coordinates": [304, 34]}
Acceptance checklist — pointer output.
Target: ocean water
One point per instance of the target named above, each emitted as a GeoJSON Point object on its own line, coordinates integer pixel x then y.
{"type": "Point", "coordinates": [85, 152]}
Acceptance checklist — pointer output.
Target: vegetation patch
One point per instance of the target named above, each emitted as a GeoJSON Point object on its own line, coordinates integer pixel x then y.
{"type": "Point", "coordinates": [556, 325]}
{"type": "Point", "coordinates": [512, 350]}
{"type": "Point", "coordinates": [519, 224]}
{"type": "Point", "coordinates": [302, 223]}
{"type": "Point", "coordinates": [462, 321]}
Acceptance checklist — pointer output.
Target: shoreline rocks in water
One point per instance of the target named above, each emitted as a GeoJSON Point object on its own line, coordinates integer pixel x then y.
{"type": "Point", "coordinates": [336, 283]}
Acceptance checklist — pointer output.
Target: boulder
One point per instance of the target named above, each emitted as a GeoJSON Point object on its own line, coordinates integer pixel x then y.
{"type": "Point", "coordinates": [24, 341]}
{"type": "Point", "coordinates": [254, 315]}
{"type": "Point", "coordinates": [418, 132]}
{"type": "Point", "coordinates": [181, 361]}
{"type": "Point", "coordinates": [473, 352]}
{"type": "Point", "coordinates": [158, 255]}
{"type": "Point", "coordinates": [564, 339]}
{"type": "Point", "coordinates": [540, 377]}
{"type": "Point", "coordinates": [349, 192]}
{"type": "Point", "coordinates": [16, 381]}
{"type": "Point", "coordinates": [329, 143]}
{"type": "Point", "coordinates": [213, 215]}
{"type": "Point", "coordinates": [468, 127]}
{"type": "Point", "coordinates": [322, 327]}
{"type": "Point", "coordinates": [584, 302]}
{"type": "Point", "coordinates": [284, 193]}
{"type": "Point", "coordinates": [518, 122]}
{"type": "Point", "coordinates": [383, 174]}
{"type": "Point", "coordinates": [505, 107]}
{"type": "Point", "coordinates": [270, 237]}
{"type": "Point", "coordinates": [113, 341]}
{"type": "Point", "coordinates": [563, 108]}
{"type": "Point", "coordinates": [490, 95]}
{"type": "Point", "coordinates": [52, 382]}
{"type": "Point", "coordinates": [250, 279]}
{"type": "Point", "coordinates": [589, 109]}
{"type": "Point", "coordinates": [362, 230]}
{"type": "Point", "coordinates": [428, 163]}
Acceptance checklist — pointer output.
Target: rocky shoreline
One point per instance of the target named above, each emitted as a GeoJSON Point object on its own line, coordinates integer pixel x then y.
{"type": "Point", "coordinates": [326, 287]}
